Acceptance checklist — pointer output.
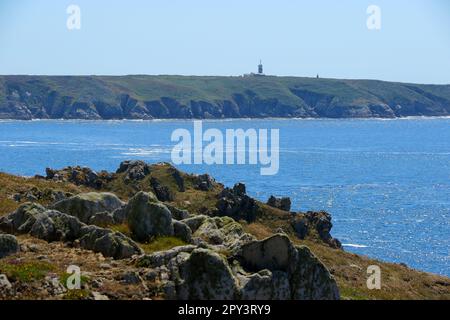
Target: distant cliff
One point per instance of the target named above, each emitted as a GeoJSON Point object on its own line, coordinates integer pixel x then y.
{"type": "Point", "coordinates": [170, 97]}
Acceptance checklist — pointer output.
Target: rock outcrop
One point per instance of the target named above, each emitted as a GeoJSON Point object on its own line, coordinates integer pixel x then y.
{"type": "Point", "coordinates": [280, 203]}
{"type": "Point", "coordinates": [307, 277]}
{"type": "Point", "coordinates": [305, 224]}
{"type": "Point", "coordinates": [89, 206]}
{"type": "Point", "coordinates": [147, 217]}
{"type": "Point", "coordinates": [237, 204]}
{"type": "Point", "coordinates": [52, 225]}
{"type": "Point", "coordinates": [257, 270]}
{"type": "Point", "coordinates": [8, 245]}
{"type": "Point", "coordinates": [80, 176]}
{"type": "Point", "coordinates": [134, 170]}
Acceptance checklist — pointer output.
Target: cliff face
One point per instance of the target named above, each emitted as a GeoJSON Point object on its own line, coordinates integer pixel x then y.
{"type": "Point", "coordinates": [171, 97]}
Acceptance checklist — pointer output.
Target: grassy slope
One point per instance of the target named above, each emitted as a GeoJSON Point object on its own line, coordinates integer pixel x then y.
{"type": "Point", "coordinates": [210, 89]}
{"type": "Point", "coordinates": [398, 282]}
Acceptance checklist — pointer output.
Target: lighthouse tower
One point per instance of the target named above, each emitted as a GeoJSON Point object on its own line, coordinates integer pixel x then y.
{"type": "Point", "coordinates": [260, 68]}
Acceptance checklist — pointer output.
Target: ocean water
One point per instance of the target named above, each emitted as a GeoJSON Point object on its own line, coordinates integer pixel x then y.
{"type": "Point", "coordinates": [385, 182]}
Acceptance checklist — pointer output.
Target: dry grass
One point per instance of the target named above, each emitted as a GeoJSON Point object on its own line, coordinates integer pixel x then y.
{"type": "Point", "coordinates": [162, 244]}
{"type": "Point", "coordinates": [10, 185]}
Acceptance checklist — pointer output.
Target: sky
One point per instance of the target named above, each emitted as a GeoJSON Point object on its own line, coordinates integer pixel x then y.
{"type": "Point", "coordinates": [229, 37]}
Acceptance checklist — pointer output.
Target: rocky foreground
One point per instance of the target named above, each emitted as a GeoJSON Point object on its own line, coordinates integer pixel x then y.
{"type": "Point", "coordinates": [153, 232]}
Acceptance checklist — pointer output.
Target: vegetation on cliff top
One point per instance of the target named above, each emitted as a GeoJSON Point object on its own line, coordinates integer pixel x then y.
{"type": "Point", "coordinates": [146, 97]}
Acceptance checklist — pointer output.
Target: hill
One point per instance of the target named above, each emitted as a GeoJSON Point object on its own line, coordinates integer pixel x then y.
{"type": "Point", "coordinates": [201, 97]}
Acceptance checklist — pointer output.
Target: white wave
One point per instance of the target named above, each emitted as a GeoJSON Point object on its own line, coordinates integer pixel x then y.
{"type": "Point", "coordinates": [352, 245]}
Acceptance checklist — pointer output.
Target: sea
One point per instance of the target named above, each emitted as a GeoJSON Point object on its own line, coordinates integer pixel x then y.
{"type": "Point", "coordinates": [386, 183]}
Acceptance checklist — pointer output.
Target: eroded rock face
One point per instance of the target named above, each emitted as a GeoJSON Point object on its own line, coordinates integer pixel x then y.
{"type": "Point", "coordinates": [8, 245]}
{"type": "Point", "coordinates": [147, 217]}
{"type": "Point", "coordinates": [134, 170]}
{"type": "Point", "coordinates": [318, 222]}
{"type": "Point", "coordinates": [162, 192]}
{"type": "Point", "coordinates": [84, 206]}
{"type": "Point", "coordinates": [236, 204]}
{"type": "Point", "coordinates": [80, 176]}
{"type": "Point", "coordinates": [280, 203]}
{"type": "Point", "coordinates": [308, 277]}
{"type": "Point", "coordinates": [204, 182]}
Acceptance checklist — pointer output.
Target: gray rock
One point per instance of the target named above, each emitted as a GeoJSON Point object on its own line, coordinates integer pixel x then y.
{"type": "Point", "coordinates": [308, 278]}
{"type": "Point", "coordinates": [178, 214]}
{"type": "Point", "coordinates": [182, 231]}
{"type": "Point", "coordinates": [147, 217]}
{"type": "Point", "coordinates": [162, 192]}
{"type": "Point", "coordinates": [222, 231]}
{"type": "Point", "coordinates": [195, 222]}
{"type": "Point", "coordinates": [4, 283]}
{"type": "Point", "coordinates": [274, 253]}
{"type": "Point", "coordinates": [8, 245]}
{"type": "Point", "coordinates": [280, 203]}
{"type": "Point", "coordinates": [109, 243]}
{"type": "Point", "coordinates": [84, 206]}
{"type": "Point", "coordinates": [159, 259]}
{"type": "Point", "coordinates": [134, 170]}
{"type": "Point", "coordinates": [102, 219]}
{"type": "Point", "coordinates": [205, 275]}
{"type": "Point", "coordinates": [131, 277]}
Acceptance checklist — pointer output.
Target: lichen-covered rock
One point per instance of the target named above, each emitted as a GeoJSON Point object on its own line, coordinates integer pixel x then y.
{"type": "Point", "coordinates": [205, 275]}
{"type": "Point", "coordinates": [102, 219]}
{"type": "Point", "coordinates": [22, 219]}
{"type": "Point", "coordinates": [178, 214]}
{"type": "Point", "coordinates": [52, 225]}
{"type": "Point", "coordinates": [109, 243]}
{"type": "Point", "coordinates": [159, 259]}
{"type": "Point", "coordinates": [310, 279]}
{"type": "Point", "coordinates": [195, 222]}
{"type": "Point", "coordinates": [85, 205]}
{"type": "Point", "coordinates": [221, 231]}
{"type": "Point", "coordinates": [182, 231]}
{"type": "Point", "coordinates": [8, 245]}
{"type": "Point", "coordinates": [147, 217]}
{"type": "Point", "coordinates": [264, 285]}
{"type": "Point", "coordinates": [49, 225]}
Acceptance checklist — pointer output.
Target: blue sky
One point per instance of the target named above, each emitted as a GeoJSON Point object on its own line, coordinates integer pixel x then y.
{"type": "Point", "coordinates": [215, 37]}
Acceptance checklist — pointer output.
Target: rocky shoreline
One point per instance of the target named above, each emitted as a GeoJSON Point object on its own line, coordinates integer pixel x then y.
{"type": "Point", "coordinates": [154, 232]}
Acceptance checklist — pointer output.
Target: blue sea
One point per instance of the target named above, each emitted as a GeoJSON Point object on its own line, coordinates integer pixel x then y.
{"type": "Point", "coordinates": [385, 182]}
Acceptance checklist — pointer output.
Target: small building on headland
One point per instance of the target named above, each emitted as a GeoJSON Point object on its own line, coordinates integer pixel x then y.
{"type": "Point", "coordinates": [260, 71]}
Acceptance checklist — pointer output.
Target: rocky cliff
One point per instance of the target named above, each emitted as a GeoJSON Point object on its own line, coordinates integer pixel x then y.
{"type": "Point", "coordinates": [179, 97]}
